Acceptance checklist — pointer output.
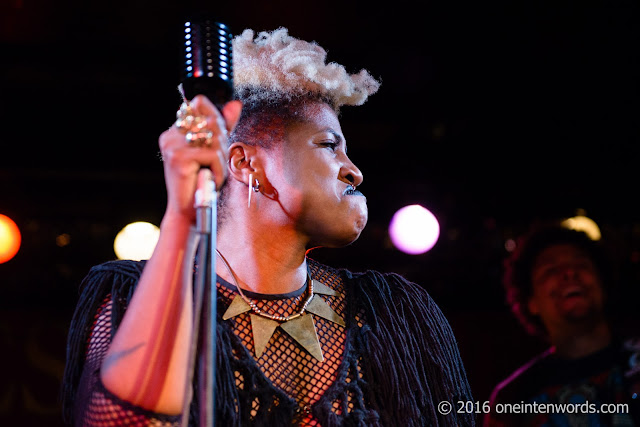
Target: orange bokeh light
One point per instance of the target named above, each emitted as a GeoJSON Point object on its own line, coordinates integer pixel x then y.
{"type": "Point", "coordinates": [10, 238]}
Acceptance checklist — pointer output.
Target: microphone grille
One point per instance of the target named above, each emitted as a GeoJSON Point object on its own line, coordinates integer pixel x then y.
{"type": "Point", "coordinates": [207, 56]}
{"type": "Point", "coordinates": [207, 50]}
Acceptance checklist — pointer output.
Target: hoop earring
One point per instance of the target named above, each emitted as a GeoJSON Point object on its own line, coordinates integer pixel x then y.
{"type": "Point", "coordinates": [252, 188]}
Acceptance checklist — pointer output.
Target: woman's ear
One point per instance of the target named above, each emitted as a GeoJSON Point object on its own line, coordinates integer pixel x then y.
{"type": "Point", "coordinates": [242, 161]}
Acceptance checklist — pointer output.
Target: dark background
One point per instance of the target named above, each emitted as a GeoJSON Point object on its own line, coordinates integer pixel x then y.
{"type": "Point", "coordinates": [491, 114]}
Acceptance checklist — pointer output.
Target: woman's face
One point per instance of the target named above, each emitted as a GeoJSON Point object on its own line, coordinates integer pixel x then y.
{"type": "Point", "coordinates": [314, 180]}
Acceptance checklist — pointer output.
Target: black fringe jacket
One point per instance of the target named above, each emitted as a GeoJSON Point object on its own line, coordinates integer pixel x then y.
{"type": "Point", "coordinates": [407, 354]}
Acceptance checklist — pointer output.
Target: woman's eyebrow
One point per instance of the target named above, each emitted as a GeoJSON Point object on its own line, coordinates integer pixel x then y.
{"type": "Point", "coordinates": [337, 136]}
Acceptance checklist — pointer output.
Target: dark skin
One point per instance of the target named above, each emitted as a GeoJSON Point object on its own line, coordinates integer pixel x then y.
{"type": "Point", "coordinates": [568, 297]}
{"type": "Point", "coordinates": [301, 202]}
{"type": "Point", "coordinates": [304, 201]}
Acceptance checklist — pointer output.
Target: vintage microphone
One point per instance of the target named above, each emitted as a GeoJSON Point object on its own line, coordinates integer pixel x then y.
{"type": "Point", "coordinates": [207, 69]}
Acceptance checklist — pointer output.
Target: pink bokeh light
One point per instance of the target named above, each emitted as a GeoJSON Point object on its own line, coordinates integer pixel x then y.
{"type": "Point", "coordinates": [414, 229]}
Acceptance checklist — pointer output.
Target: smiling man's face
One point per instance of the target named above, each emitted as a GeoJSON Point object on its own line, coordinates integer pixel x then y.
{"type": "Point", "coordinates": [566, 287]}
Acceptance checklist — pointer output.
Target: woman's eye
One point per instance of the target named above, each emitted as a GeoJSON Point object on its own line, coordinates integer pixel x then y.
{"type": "Point", "coordinates": [331, 144]}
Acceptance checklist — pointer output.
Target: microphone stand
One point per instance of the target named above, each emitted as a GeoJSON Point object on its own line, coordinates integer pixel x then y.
{"type": "Point", "coordinates": [213, 78]}
{"type": "Point", "coordinates": [203, 341]}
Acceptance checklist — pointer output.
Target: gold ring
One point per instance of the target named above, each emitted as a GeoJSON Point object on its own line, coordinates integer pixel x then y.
{"type": "Point", "coordinates": [200, 139]}
{"type": "Point", "coordinates": [193, 126]}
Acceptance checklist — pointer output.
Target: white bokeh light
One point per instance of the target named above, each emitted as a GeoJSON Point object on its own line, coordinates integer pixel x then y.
{"type": "Point", "coordinates": [136, 241]}
{"type": "Point", "coordinates": [414, 229]}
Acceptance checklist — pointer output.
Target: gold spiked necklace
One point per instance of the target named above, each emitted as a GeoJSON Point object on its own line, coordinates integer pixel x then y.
{"type": "Point", "coordinates": [299, 326]}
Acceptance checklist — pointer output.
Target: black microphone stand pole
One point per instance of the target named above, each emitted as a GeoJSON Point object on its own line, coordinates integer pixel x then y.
{"type": "Point", "coordinates": [203, 342]}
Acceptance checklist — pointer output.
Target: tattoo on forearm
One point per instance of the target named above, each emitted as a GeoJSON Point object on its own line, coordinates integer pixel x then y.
{"type": "Point", "coordinates": [117, 356]}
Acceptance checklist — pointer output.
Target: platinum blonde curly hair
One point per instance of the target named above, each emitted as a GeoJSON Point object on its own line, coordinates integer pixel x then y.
{"type": "Point", "coordinates": [276, 76]}
{"type": "Point", "coordinates": [276, 66]}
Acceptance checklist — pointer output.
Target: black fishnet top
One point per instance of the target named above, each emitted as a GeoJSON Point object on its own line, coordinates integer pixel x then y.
{"type": "Point", "coordinates": [374, 372]}
{"type": "Point", "coordinates": [284, 362]}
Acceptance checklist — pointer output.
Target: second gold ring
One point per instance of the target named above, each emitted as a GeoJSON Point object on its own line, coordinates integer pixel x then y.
{"type": "Point", "coordinates": [193, 126]}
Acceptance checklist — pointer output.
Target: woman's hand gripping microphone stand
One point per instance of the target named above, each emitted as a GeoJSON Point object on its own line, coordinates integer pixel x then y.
{"type": "Point", "coordinates": [202, 348]}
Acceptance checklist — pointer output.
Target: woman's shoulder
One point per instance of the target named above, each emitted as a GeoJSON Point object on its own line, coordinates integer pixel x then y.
{"type": "Point", "coordinates": [121, 266]}
{"type": "Point", "coordinates": [388, 285]}
{"type": "Point", "coordinates": [378, 290]}
{"type": "Point", "coordinates": [106, 273]}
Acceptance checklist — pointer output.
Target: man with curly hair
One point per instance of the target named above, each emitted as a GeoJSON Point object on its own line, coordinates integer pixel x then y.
{"type": "Point", "coordinates": [298, 342]}
{"type": "Point", "coordinates": [558, 283]}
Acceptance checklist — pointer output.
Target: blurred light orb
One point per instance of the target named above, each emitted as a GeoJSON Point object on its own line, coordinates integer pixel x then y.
{"type": "Point", "coordinates": [414, 229]}
{"type": "Point", "coordinates": [510, 245]}
{"type": "Point", "coordinates": [10, 238]}
{"type": "Point", "coordinates": [136, 241]}
{"type": "Point", "coordinates": [63, 240]}
{"type": "Point", "coordinates": [585, 224]}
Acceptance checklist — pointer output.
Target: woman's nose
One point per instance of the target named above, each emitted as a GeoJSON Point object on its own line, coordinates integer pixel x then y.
{"type": "Point", "coordinates": [351, 173]}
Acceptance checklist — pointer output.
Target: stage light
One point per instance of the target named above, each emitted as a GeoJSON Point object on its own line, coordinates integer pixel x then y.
{"type": "Point", "coordinates": [414, 230]}
{"type": "Point", "coordinates": [583, 223]}
{"type": "Point", "coordinates": [63, 240]}
{"type": "Point", "coordinates": [136, 241]}
{"type": "Point", "coordinates": [10, 238]}
{"type": "Point", "coordinates": [510, 245]}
